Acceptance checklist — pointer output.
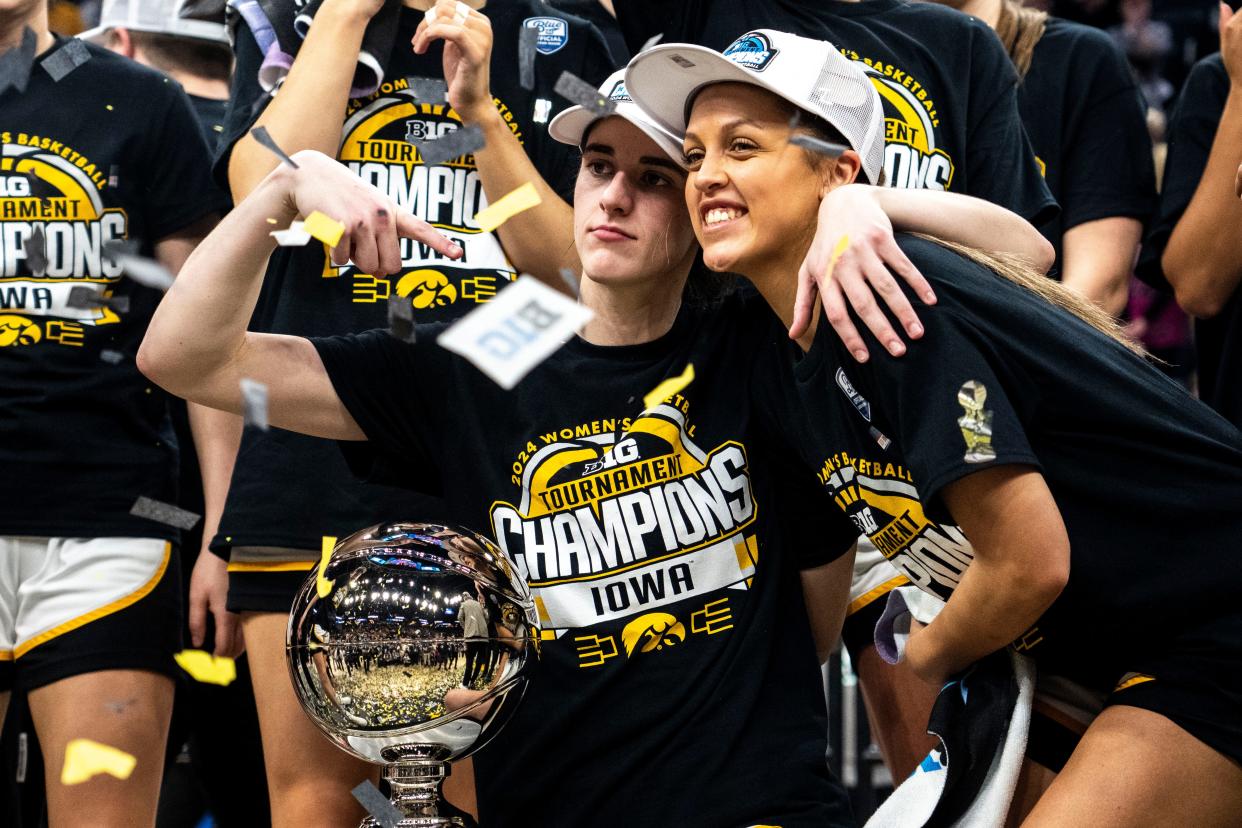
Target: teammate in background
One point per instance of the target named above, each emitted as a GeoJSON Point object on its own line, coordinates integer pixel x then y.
{"type": "Point", "coordinates": [1021, 462]}
{"type": "Point", "coordinates": [601, 15]}
{"type": "Point", "coordinates": [89, 595]}
{"type": "Point", "coordinates": [1192, 247]}
{"type": "Point", "coordinates": [1087, 123]}
{"type": "Point", "coordinates": [288, 491]}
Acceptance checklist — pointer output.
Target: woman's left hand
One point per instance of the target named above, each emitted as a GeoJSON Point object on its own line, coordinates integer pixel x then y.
{"type": "Point", "coordinates": [467, 37]}
{"type": "Point", "coordinates": [848, 264]}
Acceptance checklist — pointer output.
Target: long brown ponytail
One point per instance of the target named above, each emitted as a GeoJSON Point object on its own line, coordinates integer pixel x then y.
{"type": "Point", "coordinates": [1019, 29]}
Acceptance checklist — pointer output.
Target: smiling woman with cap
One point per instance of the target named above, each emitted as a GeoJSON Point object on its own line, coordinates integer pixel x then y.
{"type": "Point", "coordinates": [1099, 500]}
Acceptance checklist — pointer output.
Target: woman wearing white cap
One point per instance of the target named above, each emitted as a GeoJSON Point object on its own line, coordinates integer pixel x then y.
{"type": "Point", "coordinates": [1100, 502]}
{"type": "Point", "coordinates": [663, 537]}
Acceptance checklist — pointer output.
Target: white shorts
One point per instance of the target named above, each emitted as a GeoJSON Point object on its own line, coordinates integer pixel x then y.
{"type": "Point", "coordinates": [874, 576]}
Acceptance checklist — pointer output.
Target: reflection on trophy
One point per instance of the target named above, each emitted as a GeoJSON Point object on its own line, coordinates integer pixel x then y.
{"type": "Point", "coordinates": [417, 655]}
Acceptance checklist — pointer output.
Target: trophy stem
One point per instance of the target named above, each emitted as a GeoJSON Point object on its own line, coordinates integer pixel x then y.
{"type": "Point", "coordinates": [415, 786]}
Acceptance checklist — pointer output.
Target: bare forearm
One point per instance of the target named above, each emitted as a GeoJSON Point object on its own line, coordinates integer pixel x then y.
{"type": "Point", "coordinates": [826, 593]}
{"type": "Point", "coordinates": [966, 220]}
{"type": "Point", "coordinates": [309, 111]}
{"type": "Point", "coordinates": [217, 435]}
{"type": "Point", "coordinates": [1098, 258]}
{"type": "Point", "coordinates": [538, 241]}
{"type": "Point", "coordinates": [1203, 260]}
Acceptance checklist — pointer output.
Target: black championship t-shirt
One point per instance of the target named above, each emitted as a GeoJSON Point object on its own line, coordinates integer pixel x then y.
{"type": "Point", "coordinates": [1218, 341]}
{"type": "Point", "coordinates": [677, 684]}
{"type": "Point", "coordinates": [288, 490]}
{"type": "Point", "coordinates": [1087, 122]}
{"type": "Point", "coordinates": [950, 107]}
{"type": "Point", "coordinates": [110, 152]}
{"type": "Point", "coordinates": [1148, 481]}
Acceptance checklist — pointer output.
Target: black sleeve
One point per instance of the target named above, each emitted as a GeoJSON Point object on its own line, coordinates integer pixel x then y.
{"type": "Point", "coordinates": [390, 388]}
{"type": "Point", "coordinates": [679, 22]}
{"type": "Point", "coordinates": [806, 515]}
{"type": "Point", "coordinates": [1192, 130]}
{"type": "Point", "coordinates": [1108, 165]}
{"type": "Point", "coordinates": [245, 93]}
{"type": "Point", "coordinates": [177, 186]}
{"type": "Point", "coordinates": [1000, 162]}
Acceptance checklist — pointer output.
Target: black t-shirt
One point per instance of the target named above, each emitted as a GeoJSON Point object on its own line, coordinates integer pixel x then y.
{"type": "Point", "coordinates": [211, 116]}
{"type": "Point", "coordinates": [1148, 481]}
{"type": "Point", "coordinates": [1088, 126]}
{"type": "Point", "coordinates": [677, 685]}
{"type": "Point", "coordinates": [950, 106]}
{"type": "Point", "coordinates": [594, 13]}
{"type": "Point", "coordinates": [1192, 129]}
{"type": "Point", "coordinates": [115, 153]}
{"type": "Point", "coordinates": [288, 489]}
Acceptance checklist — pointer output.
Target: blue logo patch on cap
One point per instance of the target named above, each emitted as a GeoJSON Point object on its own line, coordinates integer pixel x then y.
{"type": "Point", "coordinates": [751, 51]}
{"type": "Point", "coordinates": [553, 33]}
{"type": "Point", "coordinates": [619, 92]}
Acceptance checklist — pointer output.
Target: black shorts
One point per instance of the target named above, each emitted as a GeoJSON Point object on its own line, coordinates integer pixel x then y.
{"type": "Point", "coordinates": [253, 591]}
{"type": "Point", "coordinates": [81, 605]}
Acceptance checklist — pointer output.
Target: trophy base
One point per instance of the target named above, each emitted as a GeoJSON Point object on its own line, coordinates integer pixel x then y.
{"type": "Point", "coordinates": [415, 784]}
{"type": "Point", "coordinates": [424, 822]}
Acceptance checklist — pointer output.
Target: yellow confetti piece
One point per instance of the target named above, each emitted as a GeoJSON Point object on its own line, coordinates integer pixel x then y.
{"type": "Point", "coordinates": [327, 230]}
{"type": "Point", "coordinates": [494, 215]}
{"type": "Point", "coordinates": [669, 387]}
{"type": "Point", "coordinates": [322, 585]}
{"type": "Point", "coordinates": [271, 221]}
{"type": "Point", "coordinates": [84, 759]}
{"type": "Point", "coordinates": [203, 666]}
{"type": "Point", "coordinates": [837, 252]}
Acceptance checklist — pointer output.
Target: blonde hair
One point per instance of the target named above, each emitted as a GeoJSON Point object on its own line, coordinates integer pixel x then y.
{"type": "Point", "coordinates": [1019, 29]}
{"type": "Point", "coordinates": [1018, 270]}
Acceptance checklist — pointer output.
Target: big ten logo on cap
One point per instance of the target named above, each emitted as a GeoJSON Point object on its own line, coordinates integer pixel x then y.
{"type": "Point", "coordinates": [516, 331]}
{"type": "Point", "coordinates": [553, 33]}
{"type": "Point", "coordinates": [752, 51]}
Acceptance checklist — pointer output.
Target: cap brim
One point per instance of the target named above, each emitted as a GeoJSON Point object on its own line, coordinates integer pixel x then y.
{"type": "Point", "coordinates": [193, 29]}
{"type": "Point", "coordinates": [569, 126]}
{"type": "Point", "coordinates": [662, 85]}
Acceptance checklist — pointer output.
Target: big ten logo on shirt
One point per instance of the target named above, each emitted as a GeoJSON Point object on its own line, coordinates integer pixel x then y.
{"type": "Point", "coordinates": [913, 157]}
{"type": "Point", "coordinates": [633, 538]}
{"type": "Point", "coordinates": [48, 186]}
{"type": "Point", "coordinates": [881, 499]}
{"type": "Point", "coordinates": [378, 146]}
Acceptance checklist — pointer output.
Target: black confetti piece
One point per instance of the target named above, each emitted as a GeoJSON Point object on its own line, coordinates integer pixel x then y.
{"type": "Point", "coordinates": [575, 89]}
{"type": "Point", "coordinates": [15, 64]}
{"type": "Point", "coordinates": [36, 251]}
{"type": "Point", "coordinates": [428, 90]}
{"type": "Point", "coordinates": [65, 59]}
{"type": "Point", "coordinates": [261, 135]}
{"type": "Point", "coordinates": [400, 318]}
{"type": "Point", "coordinates": [377, 805]}
{"type": "Point", "coordinates": [145, 507]}
{"type": "Point", "coordinates": [254, 403]}
{"type": "Point", "coordinates": [86, 298]}
{"type": "Point", "coordinates": [461, 141]}
{"type": "Point", "coordinates": [817, 145]}
{"type": "Point", "coordinates": [111, 357]}
{"type": "Point", "coordinates": [528, 40]}
{"type": "Point", "coordinates": [651, 41]}
{"type": "Point", "coordinates": [144, 271]}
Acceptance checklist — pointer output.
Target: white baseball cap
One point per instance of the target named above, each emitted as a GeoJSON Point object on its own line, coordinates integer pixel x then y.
{"type": "Point", "coordinates": [811, 74]}
{"type": "Point", "coordinates": [197, 19]}
{"type": "Point", "coordinates": [569, 126]}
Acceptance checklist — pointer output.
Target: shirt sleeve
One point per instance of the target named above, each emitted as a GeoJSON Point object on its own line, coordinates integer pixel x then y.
{"type": "Point", "coordinates": [177, 190]}
{"type": "Point", "coordinates": [244, 94]}
{"type": "Point", "coordinates": [680, 22]}
{"type": "Point", "coordinates": [1192, 130]}
{"type": "Point", "coordinates": [1001, 165]}
{"type": "Point", "coordinates": [1108, 165]}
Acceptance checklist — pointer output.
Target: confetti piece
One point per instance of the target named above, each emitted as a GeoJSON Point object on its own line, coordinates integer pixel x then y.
{"type": "Point", "coordinates": [85, 298]}
{"type": "Point", "coordinates": [111, 357]}
{"type": "Point", "coordinates": [65, 59]}
{"type": "Point", "coordinates": [36, 251]}
{"type": "Point", "coordinates": [271, 221]}
{"type": "Point", "coordinates": [322, 585]}
{"type": "Point", "coordinates": [428, 90]}
{"type": "Point", "coordinates": [519, 328]}
{"type": "Point", "coordinates": [254, 403]}
{"type": "Point", "coordinates": [294, 235]}
{"type": "Point", "coordinates": [260, 104]}
{"type": "Point", "coordinates": [461, 141]}
{"type": "Point", "coordinates": [114, 176]}
{"type": "Point", "coordinates": [843, 244]}
{"type": "Point", "coordinates": [528, 39]}
{"type": "Point", "coordinates": [401, 318]}
{"type": "Point", "coordinates": [85, 759]}
{"type": "Point", "coordinates": [205, 667]}
{"type": "Point", "coordinates": [669, 387]}
{"type": "Point", "coordinates": [508, 206]}
{"type": "Point", "coordinates": [144, 271]}
{"type": "Point", "coordinates": [816, 145]}
{"type": "Point", "coordinates": [578, 91]}
{"type": "Point", "coordinates": [377, 805]}
{"type": "Point", "coordinates": [145, 507]}
{"type": "Point", "coordinates": [265, 139]}
{"type": "Point", "coordinates": [327, 230]}
{"type": "Point", "coordinates": [651, 41]}
{"type": "Point", "coordinates": [571, 280]}
{"type": "Point", "coordinates": [16, 63]}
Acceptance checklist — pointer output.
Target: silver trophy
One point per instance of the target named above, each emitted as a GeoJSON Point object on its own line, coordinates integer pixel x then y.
{"type": "Point", "coordinates": [416, 655]}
